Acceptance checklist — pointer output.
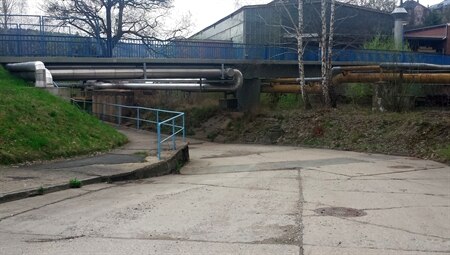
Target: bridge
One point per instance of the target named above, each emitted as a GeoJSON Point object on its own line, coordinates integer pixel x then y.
{"type": "Point", "coordinates": [255, 61]}
{"type": "Point", "coordinates": [258, 61]}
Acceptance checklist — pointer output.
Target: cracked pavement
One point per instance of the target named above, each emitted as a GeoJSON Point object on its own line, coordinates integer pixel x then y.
{"type": "Point", "coordinates": [246, 199]}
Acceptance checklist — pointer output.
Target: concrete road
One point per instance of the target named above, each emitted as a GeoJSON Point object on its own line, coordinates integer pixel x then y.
{"type": "Point", "coordinates": [243, 199]}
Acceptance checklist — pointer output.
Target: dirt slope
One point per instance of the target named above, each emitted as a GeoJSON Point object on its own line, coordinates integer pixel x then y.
{"type": "Point", "coordinates": [419, 134]}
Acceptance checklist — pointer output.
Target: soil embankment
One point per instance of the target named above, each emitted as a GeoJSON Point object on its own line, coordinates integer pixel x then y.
{"type": "Point", "coordinates": [424, 134]}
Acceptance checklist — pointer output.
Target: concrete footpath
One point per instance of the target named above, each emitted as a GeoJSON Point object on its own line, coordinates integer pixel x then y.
{"type": "Point", "coordinates": [246, 199]}
{"type": "Point", "coordinates": [137, 159]}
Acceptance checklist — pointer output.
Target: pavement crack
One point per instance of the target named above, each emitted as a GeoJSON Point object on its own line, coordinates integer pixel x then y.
{"type": "Point", "coordinates": [54, 238]}
{"type": "Point", "coordinates": [398, 172]}
{"type": "Point", "coordinates": [245, 171]}
{"type": "Point", "coordinates": [301, 200]}
{"type": "Point", "coordinates": [380, 249]}
{"type": "Point", "coordinates": [322, 171]}
{"type": "Point", "coordinates": [55, 202]}
{"type": "Point", "coordinates": [389, 192]}
{"type": "Point", "coordinates": [404, 207]}
{"type": "Point", "coordinates": [394, 228]}
{"type": "Point", "coordinates": [48, 240]}
{"type": "Point", "coordinates": [223, 186]}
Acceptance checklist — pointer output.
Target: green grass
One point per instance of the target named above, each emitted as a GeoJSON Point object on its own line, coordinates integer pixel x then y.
{"type": "Point", "coordinates": [35, 125]}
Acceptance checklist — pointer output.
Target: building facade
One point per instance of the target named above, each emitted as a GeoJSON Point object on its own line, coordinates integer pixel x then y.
{"type": "Point", "coordinates": [417, 13]}
{"type": "Point", "coordinates": [434, 39]}
{"type": "Point", "coordinates": [274, 24]}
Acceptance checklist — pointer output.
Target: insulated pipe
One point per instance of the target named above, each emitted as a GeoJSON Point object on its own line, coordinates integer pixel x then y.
{"type": "Point", "coordinates": [292, 80]}
{"type": "Point", "coordinates": [425, 78]}
{"type": "Point", "coordinates": [238, 80]}
{"type": "Point", "coordinates": [340, 69]}
{"type": "Point", "coordinates": [291, 89]}
{"type": "Point", "coordinates": [32, 71]}
{"type": "Point", "coordinates": [121, 74]}
{"type": "Point", "coordinates": [414, 66]}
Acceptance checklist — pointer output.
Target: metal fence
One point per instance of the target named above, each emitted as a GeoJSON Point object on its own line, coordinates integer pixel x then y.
{"type": "Point", "coordinates": [168, 125]}
{"type": "Point", "coordinates": [38, 45]}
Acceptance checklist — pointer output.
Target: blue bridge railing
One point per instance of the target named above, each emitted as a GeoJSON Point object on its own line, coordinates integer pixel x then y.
{"type": "Point", "coordinates": [47, 45]}
{"type": "Point", "coordinates": [168, 124]}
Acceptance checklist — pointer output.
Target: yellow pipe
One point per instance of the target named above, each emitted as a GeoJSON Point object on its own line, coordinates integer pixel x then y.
{"type": "Point", "coordinates": [424, 78]}
{"type": "Point", "coordinates": [287, 88]}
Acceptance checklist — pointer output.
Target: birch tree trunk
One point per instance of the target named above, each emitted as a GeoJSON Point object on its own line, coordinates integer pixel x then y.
{"type": "Point", "coordinates": [331, 102]}
{"type": "Point", "coordinates": [324, 54]}
{"type": "Point", "coordinates": [300, 52]}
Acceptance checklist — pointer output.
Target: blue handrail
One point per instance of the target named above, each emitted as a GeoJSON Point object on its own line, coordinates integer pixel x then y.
{"type": "Point", "coordinates": [17, 44]}
{"type": "Point", "coordinates": [115, 113]}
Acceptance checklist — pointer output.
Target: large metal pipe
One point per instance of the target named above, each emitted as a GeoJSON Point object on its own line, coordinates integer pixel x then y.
{"type": "Point", "coordinates": [424, 78]}
{"type": "Point", "coordinates": [287, 88]}
{"type": "Point", "coordinates": [414, 66]}
{"type": "Point", "coordinates": [122, 74]}
{"type": "Point", "coordinates": [178, 84]}
{"type": "Point", "coordinates": [32, 71]}
{"type": "Point", "coordinates": [291, 80]}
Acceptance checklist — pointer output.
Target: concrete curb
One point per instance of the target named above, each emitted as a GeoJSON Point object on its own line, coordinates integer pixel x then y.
{"type": "Point", "coordinates": [164, 167]}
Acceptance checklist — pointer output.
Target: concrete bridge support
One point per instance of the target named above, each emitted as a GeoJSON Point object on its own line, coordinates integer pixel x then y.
{"type": "Point", "coordinates": [248, 96]}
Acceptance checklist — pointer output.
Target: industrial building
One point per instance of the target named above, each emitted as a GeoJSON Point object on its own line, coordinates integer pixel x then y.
{"type": "Point", "coordinates": [274, 24]}
{"type": "Point", "coordinates": [433, 39]}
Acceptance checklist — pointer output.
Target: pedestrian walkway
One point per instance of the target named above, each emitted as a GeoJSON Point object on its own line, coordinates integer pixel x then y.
{"type": "Point", "coordinates": [139, 154]}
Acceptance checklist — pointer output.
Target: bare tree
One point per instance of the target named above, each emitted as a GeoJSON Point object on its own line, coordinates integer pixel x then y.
{"type": "Point", "coordinates": [382, 5]}
{"type": "Point", "coordinates": [300, 53]}
{"type": "Point", "coordinates": [326, 47]}
{"type": "Point", "coordinates": [9, 7]}
{"type": "Point", "coordinates": [113, 20]}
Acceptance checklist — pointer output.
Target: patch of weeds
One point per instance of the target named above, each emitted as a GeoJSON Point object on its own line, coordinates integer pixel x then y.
{"type": "Point", "coordinates": [75, 183]}
{"type": "Point", "coordinates": [212, 135]}
{"type": "Point", "coordinates": [190, 132]}
{"type": "Point", "coordinates": [196, 116]}
{"type": "Point", "coordinates": [178, 167]}
{"type": "Point", "coordinates": [40, 191]}
{"type": "Point", "coordinates": [444, 153]}
{"type": "Point", "coordinates": [288, 102]}
{"type": "Point", "coordinates": [141, 154]}
{"type": "Point", "coordinates": [359, 93]}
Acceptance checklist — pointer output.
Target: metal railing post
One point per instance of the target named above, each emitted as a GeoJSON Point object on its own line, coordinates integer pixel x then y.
{"type": "Point", "coordinates": [119, 117]}
{"type": "Point", "coordinates": [184, 130]}
{"type": "Point", "coordinates": [145, 70]}
{"type": "Point", "coordinates": [138, 124]}
{"type": "Point", "coordinates": [158, 130]}
{"type": "Point", "coordinates": [174, 145]}
{"type": "Point", "coordinates": [103, 111]}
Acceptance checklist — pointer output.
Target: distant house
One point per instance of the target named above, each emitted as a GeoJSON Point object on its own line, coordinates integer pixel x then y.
{"type": "Point", "coordinates": [434, 39]}
{"type": "Point", "coordinates": [270, 24]}
{"type": "Point", "coordinates": [417, 13]}
{"type": "Point", "coordinates": [441, 5]}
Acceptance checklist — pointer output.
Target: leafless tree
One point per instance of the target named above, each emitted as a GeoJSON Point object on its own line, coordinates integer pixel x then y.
{"type": "Point", "coordinates": [300, 53]}
{"type": "Point", "coordinates": [8, 7]}
{"type": "Point", "coordinates": [382, 5]}
{"type": "Point", "coordinates": [295, 29]}
{"type": "Point", "coordinates": [113, 20]}
{"type": "Point", "coordinates": [326, 47]}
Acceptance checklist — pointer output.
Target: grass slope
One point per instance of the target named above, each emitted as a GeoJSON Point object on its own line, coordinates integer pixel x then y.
{"type": "Point", "coordinates": [36, 125]}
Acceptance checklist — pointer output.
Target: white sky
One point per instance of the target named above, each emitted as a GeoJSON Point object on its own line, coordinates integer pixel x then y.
{"type": "Point", "coordinates": [204, 12]}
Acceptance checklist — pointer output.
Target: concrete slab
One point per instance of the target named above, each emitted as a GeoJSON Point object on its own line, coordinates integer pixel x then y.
{"type": "Point", "coordinates": [233, 199]}
{"type": "Point", "coordinates": [18, 182]}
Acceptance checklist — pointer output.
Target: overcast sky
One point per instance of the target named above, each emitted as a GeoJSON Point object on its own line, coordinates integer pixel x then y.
{"type": "Point", "coordinates": [204, 12]}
